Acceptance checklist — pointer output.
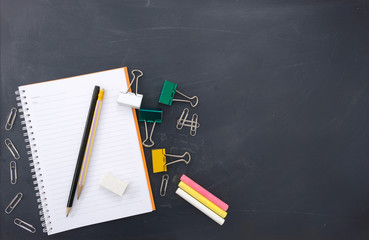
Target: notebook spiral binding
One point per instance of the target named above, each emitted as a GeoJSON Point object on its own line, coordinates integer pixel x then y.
{"type": "Point", "coordinates": [33, 163]}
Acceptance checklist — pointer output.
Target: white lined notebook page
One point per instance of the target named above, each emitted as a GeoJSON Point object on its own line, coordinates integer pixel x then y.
{"type": "Point", "coordinates": [57, 116]}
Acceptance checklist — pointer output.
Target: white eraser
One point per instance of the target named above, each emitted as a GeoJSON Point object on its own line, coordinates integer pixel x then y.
{"type": "Point", "coordinates": [113, 184]}
{"type": "Point", "coordinates": [130, 99]}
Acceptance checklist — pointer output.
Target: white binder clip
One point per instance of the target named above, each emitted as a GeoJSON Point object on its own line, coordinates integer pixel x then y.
{"type": "Point", "coordinates": [128, 98]}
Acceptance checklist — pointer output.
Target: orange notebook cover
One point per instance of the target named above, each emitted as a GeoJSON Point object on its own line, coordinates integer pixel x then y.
{"type": "Point", "coordinates": [140, 140]}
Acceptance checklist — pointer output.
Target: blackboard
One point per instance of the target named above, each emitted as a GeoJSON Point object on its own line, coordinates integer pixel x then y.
{"type": "Point", "coordinates": [283, 107]}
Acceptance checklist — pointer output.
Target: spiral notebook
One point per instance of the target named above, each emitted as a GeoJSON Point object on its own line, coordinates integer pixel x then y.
{"type": "Point", "coordinates": [54, 115]}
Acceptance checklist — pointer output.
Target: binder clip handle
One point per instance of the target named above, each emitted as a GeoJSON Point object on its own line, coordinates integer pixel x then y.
{"type": "Point", "coordinates": [179, 160]}
{"type": "Point", "coordinates": [152, 116]}
{"type": "Point", "coordinates": [135, 79]}
{"type": "Point", "coordinates": [147, 136]}
{"type": "Point", "coordinates": [189, 99]}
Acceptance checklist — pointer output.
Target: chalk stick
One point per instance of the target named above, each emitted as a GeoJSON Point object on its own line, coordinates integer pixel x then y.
{"type": "Point", "coordinates": [206, 202]}
{"type": "Point", "coordinates": [199, 206]}
{"type": "Point", "coordinates": [204, 192]}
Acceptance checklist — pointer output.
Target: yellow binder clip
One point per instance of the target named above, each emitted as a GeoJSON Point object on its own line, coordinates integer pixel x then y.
{"type": "Point", "coordinates": [159, 159]}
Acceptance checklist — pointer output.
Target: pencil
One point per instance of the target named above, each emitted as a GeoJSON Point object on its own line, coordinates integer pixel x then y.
{"type": "Point", "coordinates": [90, 142]}
{"type": "Point", "coordinates": [82, 148]}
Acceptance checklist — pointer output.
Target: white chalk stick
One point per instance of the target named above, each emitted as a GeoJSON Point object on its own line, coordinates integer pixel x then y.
{"type": "Point", "coordinates": [200, 206]}
{"type": "Point", "coordinates": [113, 184]}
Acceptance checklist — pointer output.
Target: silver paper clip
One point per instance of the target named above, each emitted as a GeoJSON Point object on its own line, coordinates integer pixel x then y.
{"type": "Point", "coordinates": [189, 99]}
{"type": "Point", "coordinates": [13, 203]}
{"type": "Point", "coordinates": [12, 149]}
{"type": "Point", "coordinates": [193, 123]}
{"type": "Point", "coordinates": [13, 172]}
{"type": "Point", "coordinates": [179, 160]}
{"type": "Point", "coordinates": [9, 123]}
{"type": "Point", "coordinates": [164, 184]}
{"type": "Point", "coordinates": [24, 225]}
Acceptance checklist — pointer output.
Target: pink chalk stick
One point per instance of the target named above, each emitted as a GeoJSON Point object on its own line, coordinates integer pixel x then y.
{"type": "Point", "coordinates": [204, 192]}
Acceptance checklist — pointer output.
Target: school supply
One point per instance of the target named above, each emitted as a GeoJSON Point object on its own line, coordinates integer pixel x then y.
{"type": "Point", "coordinates": [24, 225]}
{"type": "Point", "coordinates": [164, 184]}
{"type": "Point", "coordinates": [207, 203]}
{"type": "Point", "coordinates": [159, 159]}
{"type": "Point", "coordinates": [13, 150]}
{"type": "Point", "coordinates": [90, 142]}
{"type": "Point", "coordinates": [200, 206]}
{"type": "Point", "coordinates": [10, 122]}
{"type": "Point", "coordinates": [152, 116]}
{"type": "Point", "coordinates": [13, 172]}
{"type": "Point", "coordinates": [82, 149]}
{"type": "Point", "coordinates": [204, 192]}
{"type": "Point", "coordinates": [126, 97]}
{"type": "Point", "coordinates": [55, 113]}
{"type": "Point", "coordinates": [113, 184]}
{"type": "Point", "coordinates": [202, 199]}
{"type": "Point", "coordinates": [167, 95]}
{"type": "Point", "coordinates": [183, 122]}
{"type": "Point", "coordinates": [13, 203]}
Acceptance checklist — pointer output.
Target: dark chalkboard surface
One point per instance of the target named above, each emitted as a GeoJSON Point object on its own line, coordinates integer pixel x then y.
{"type": "Point", "coordinates": [284, 94]}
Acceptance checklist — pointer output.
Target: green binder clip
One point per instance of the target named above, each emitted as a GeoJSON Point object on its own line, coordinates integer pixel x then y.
{"type": "Point", "coordinates": [167, 95]}
{"type": "Point", "coordinates": [151, 116]}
